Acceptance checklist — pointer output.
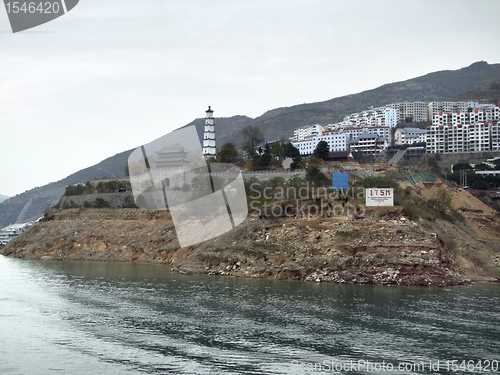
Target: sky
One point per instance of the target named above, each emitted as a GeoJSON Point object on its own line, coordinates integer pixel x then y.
{"type": "Point", "coordinates": [112, 75]}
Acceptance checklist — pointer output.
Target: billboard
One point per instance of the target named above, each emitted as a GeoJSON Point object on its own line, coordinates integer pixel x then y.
{"type": "Point", "coordinates": [379, 197]}
{"type": "Point", "coordinates": [340, 180]}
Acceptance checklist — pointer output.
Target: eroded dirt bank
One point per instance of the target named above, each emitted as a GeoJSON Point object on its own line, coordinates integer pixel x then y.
{"type": "Point", "coordinates": [383, 247]}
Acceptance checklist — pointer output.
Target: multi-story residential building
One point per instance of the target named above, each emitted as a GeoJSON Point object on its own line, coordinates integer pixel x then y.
{"type": "Point", "coordinates": [410, 111]}
{"type": "Point", "coordinates": [408, 136]}
{"type": "Point", "coordinates": [307, 131]}
{"type": "Point", "coordinates": [449, 107]}
{"type": "Point", "coordinates": [336, 142]}
{"type": "Point", "coordinates": [356, 131]}
{"type": "Point", "coordinates": [339, 125]}
{"type": "Point", "coordinates": [495, 135]}
{"type": "Point", "coordinates": [460, 117]}
{"type": "Point", "coordinates": [352, 131]}
{"type": "Point", "coordinates": [381, 131]}
{"type": "Point", "coordinates": [479, 137]}
{"type": "Point", "coordinates": [373, 117]}
{"type": "Point", "coordinates": [453, 138]}
{"type": "Point", "coordinates": [369, 144]}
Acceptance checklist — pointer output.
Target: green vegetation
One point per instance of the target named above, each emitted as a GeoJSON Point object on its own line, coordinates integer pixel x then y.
{"type": "Point", "coordinates": [112, 186]}
{"type": "Point", "coordinates": [322, 150]}
{"type": "Point", "coordinates": [262, 159]}
{"type": "Point", "coordinates": [292, 152]}
{"type": "Point", "coordinates": [228, 153]}
{"type": "Point", "coordinates": [317, 177]}
{"type": "Point", "coordinates": [362, 158]}
{"type": "Point", "coordinates": [415, 207]}
{"type": "Point", "coordinates": [483, 167]}
{"type": "Point", "coordinates": [380, 182]}
{"type": "Point", "coordinates": [462, 166]}
{"type": "Point", "coordinates": [475, 181]}
{"type": "Point", "coordinates": [278, 150]}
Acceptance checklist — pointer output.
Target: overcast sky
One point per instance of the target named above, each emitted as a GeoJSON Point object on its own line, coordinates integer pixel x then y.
{"type": "Point", "coordinates": [114, 74]}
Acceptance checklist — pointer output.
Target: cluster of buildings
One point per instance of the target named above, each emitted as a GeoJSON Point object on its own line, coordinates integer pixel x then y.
{"type": "Point", "coordinates": [456, 127]}
{"type": "Point", "coordinates": [368, 131]}
{"type": "Point", "coordinates": [473, 130]}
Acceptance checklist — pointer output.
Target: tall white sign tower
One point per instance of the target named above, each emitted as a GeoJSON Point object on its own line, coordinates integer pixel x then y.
{"type": "Point", "coordinates": [209, 135]}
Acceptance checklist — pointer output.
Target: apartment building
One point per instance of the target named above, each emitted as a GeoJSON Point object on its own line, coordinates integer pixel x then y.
{"type": "Point", "coordinates": [453, 138]}
{"type": "Point", "coordinates": [410, 111]}
{"type": "Point", "coordinates": [495, 135]}
{"type": "Point", "coordinates": [381, 131]}
{"type": "Point", "coordinates": [479, 137]}
{"type": "Point", "coordinates": [449, 107]}
{"type": "Point", "coordinates": [460, 117]}
{"type": "Point", "coordinates": [373, 117]}
{"type": "Point", "coordinates": [408, 136]}
{"type": "Point", "coordinates": [356, 131]}
{"type": "Point", "coordinates": [368, 143]}
{"type": "Point", "coordinates": [336, 142]}
{"type": "Point", "coordinates": [307, 131]}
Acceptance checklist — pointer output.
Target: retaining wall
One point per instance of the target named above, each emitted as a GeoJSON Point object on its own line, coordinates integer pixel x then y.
{"type": "Point", "coordinates": [113, 199]}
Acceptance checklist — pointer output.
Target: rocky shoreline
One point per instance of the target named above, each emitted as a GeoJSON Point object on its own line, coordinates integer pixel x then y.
{"type": "Point", "coordinates": [378, 249]}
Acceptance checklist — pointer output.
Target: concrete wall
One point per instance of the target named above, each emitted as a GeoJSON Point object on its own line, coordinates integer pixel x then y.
{"type": "Point", "coordinates": [447, 160]}
{"type": "Point", "coordinates": [267, 175]}
{"type": "Point", "coordinates": [114, 199]}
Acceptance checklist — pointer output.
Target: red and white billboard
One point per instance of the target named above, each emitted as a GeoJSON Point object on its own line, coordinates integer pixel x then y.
{"type": "Point", "coordinates": [379, 197]}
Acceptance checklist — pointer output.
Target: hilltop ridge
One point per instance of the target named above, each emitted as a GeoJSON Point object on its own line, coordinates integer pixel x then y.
{"type": "Point", "coordinates": [275, 124]}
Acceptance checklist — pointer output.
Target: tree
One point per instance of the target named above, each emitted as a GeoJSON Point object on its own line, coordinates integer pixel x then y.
{"type": "Point", "coordinates": [322, 150]}
{"type": "Point", "coordinates": [277, 149]}
{"type": "Point", "coordinates": [262, 159]}
{"type": "Point", "coordinates": [461, 166]}
{"type": "Point", "coordinates": [482, 167]}
{"type": "Point", "coordinates": [252, 137]}
{"type": "Point", "coordinates": [315, 175]}
{"type": "Point", "coordinates": [228, 153]}
{"type": "Point", "coordinates": [480, 185]}
{"type": "Point", "coordinates": [292, 152]}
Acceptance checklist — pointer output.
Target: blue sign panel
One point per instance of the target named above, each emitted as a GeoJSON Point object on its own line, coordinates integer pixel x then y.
{"type": "Point", "coordinates": [340, 180]}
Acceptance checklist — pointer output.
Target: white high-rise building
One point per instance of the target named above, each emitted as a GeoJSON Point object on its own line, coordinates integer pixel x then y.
{"type": "Point", "coordinates": [452, 138]}
{"type": "Point", "coordinates": [336, 142]}
{"type": "Point", "coordinates": [408, 136]}
{"type": "Point", "coordinates": [410, 111]}
{"type": "Point", "coordinates": [307, 131]}
{"type": "Point", "coordinates": [209, 149]}
{"type": "Point", "coordinates": [448, 107]}
{"type": "Point", "coordinates": [383, 116]}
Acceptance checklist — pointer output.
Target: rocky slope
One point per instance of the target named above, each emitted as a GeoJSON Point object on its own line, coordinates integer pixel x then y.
{"type": "Point", "coordinates": [383, 247]}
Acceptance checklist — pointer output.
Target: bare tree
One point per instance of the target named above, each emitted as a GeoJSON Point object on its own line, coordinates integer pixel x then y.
{"type": "Point", "coordinates": [252, 137]}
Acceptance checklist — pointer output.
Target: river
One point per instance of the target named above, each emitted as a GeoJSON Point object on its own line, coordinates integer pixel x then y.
{"type": "Point", "coordinates": [125, 318]}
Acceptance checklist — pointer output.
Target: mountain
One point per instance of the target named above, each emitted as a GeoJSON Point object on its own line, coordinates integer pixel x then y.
{"type": "Point", "coordinates": [275, 124]}
{"type": "Point", "coordinates": [444, 85]}
{"type": "Point", "coordinates": [484, 92]}
{"type": "Point", "coordinates": [33, 203]}
{"type": "Point", "coordinates": [3, 197]}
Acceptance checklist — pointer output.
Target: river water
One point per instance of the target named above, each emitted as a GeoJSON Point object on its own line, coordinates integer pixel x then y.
{"type": "Point", "coordinates": [124, 318]}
